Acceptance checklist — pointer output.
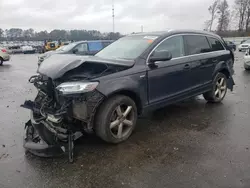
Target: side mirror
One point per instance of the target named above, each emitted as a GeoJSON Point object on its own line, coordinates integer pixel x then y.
{"type": "Point", "coordinates": [75, 50]}
{"type": "Point", "coordinates": [160, 56]}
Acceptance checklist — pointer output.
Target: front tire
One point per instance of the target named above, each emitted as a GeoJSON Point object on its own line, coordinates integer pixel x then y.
{"type": "Point", "coordinates": [219, 90]}
{"type": "Point", "coordinates": [116, 119]}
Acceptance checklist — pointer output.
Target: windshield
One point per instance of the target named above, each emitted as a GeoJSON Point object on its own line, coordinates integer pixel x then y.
{"type": "Point", "coordinates": [60, 48]}
{"type": "Point", "coordinates": [67, 47]}
{"type": "Point", "coordinates": [129, 47]}
{"type": "Point", "coordinates": [247, 41]}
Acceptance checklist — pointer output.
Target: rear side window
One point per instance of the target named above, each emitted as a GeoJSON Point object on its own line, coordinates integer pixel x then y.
{"type": "Point", "coordinates": [95, 46]}
{"type": "Point", "coordinates": [215, 44]}
{"type": "Point", "coordinates": [196, 44]}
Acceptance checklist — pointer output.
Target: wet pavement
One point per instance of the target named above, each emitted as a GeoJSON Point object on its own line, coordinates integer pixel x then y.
{"type": "Point", "coordinates": [190, 144]}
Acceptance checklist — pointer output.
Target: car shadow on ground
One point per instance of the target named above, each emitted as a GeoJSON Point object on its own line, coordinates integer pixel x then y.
{"type": "Point", "coordinates": [4, 66]}
{"type": "Point", "coordinates": [163, 126]}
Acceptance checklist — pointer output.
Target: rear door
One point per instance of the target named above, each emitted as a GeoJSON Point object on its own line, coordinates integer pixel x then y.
{"type": "Point", "coordinates": [198, 49]}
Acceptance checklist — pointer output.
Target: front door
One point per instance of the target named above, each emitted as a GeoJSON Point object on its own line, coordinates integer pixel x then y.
{"type": "Point", "coordinates": [169, 79]}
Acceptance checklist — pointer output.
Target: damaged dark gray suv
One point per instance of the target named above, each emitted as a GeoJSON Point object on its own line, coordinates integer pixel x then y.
{"type": "Point", "coordinates": [105, 93]}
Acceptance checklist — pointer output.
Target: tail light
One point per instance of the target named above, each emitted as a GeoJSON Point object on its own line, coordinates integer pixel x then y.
{"type": "Point", "coordinates": [4, 51]}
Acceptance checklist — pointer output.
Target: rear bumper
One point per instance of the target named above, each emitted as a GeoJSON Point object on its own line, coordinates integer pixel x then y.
{"type": "Point", "coordinates": [6, 57]}
{"type": "Point", "coordinates": [243, 49]}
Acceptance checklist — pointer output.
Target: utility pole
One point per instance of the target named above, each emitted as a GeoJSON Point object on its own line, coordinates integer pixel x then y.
{"type": "Point", "coordinates": [113, 15]}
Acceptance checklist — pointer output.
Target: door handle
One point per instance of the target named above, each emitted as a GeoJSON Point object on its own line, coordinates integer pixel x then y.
{"type": "Point", "coordinates": [186, 66]}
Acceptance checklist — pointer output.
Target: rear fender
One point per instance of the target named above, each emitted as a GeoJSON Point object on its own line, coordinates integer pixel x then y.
{"type": "Point", "coordinates": [226, 68]}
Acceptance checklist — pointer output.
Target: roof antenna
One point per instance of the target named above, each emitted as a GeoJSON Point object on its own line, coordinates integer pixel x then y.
{"type": "Point", "coordinates": [113, 15]}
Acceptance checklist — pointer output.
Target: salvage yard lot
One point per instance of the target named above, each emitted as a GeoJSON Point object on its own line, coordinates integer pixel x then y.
{"type": "Point", "coordinates": [190, 144]}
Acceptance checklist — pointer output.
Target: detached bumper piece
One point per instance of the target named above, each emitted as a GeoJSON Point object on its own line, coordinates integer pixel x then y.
{"type": "Point", "coordinates": [37, 146]}
{"type": "Point", "coordinates": [34, 143]}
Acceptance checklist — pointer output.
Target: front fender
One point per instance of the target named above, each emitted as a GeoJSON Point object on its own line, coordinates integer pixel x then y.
{"type": "Point", "coordinates": [132, 83]}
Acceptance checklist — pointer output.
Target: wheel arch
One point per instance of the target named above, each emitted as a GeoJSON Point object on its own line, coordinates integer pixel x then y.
{"type": "Point", "coordinates": [129, 93]}
{"type": "Point", "coordinates": [225, 72]}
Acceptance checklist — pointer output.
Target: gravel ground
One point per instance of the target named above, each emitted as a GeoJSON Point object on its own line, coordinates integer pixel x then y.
{"type": "Point", "coordinates": [190, 144]}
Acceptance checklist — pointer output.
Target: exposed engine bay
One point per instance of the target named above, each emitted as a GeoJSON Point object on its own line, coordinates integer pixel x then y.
{"type": "Point", "coordinates": [64, 108]}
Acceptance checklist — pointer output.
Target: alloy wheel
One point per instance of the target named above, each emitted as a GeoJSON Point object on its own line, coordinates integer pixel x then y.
{"type": "Point", "coordinates": [220, 89]}
{"type": "Point", "coordinates": [122, 121]}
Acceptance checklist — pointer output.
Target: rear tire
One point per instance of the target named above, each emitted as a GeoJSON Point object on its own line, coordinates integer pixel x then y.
{"type": "Point", "coordinates": [1, 61]}
{"type": "Point", "coordinates": [116, 119]}
{"type": "Point", "coordinates": [246, 68]}
{"type": "Point", "coordinates": [219, 89]}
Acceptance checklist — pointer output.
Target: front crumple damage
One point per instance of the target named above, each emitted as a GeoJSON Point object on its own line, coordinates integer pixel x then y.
{"type": "Point", "coordinates": [57, 120]}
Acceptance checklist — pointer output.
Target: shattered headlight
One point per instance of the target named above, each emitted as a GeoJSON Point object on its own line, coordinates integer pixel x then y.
{"type": "Point", "coordinates": [68, 88]}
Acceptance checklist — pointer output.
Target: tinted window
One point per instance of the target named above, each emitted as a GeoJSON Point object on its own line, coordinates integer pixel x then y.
{"type": "Point", "coordinates": [95, 46]}
{"type": "Point", "coordinates": [216, 44]}
{"type": "Point", "coordinates": [174, 45]}
{"type": "Point", "coordinates": [82, 47]}
{"type": "Point", "coordinates": [196, 44]}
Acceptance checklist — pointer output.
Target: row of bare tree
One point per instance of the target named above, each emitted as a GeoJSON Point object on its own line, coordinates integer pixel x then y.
{"type": "Point", "coordinates": [223, 14]}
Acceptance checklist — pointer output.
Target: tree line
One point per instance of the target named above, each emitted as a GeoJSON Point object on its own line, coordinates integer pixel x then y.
{"type": "Point", "coordinates": [18, 34]}
{"type": "Point", "coordinates": [237, 18]}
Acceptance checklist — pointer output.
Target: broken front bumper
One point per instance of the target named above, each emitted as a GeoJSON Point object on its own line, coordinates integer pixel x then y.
{"type": "Point", "coordinates": [34, 143]}
{"type": "Point", "coordinates": [49, 133]}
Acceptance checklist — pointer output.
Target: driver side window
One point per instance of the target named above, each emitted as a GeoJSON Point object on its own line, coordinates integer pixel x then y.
{"type": "Point", "coordinates": [82, 47]}
{"type": "Point", "coordinates": [174, 45]}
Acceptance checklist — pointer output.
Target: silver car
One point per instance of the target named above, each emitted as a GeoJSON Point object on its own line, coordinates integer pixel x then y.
{"type": "Point", "coordinates": [4, 56]}
{"type": "Point", "coordinates": [247, 60]}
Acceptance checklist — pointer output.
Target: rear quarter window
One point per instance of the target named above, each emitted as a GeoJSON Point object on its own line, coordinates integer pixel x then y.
{"type": "Point", "coordinates": [215, 44]}
{"type": "Point", "coordinates": [196, 44]}
{"type": "Point", "coordinates": [95, 46]}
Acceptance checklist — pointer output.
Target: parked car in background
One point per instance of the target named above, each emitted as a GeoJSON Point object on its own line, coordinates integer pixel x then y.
{"type": "Point", "coordinates": [244, 46]}
{"type": "Point", "coordinates": [15, 49]}
{"type": "Point", "coordinates": [231, 45]}
{"type": "Point", "coordinates": [28, 49]}
{"type": "Point", "coordinates": [4, 56]}
{"type": "Point", "coordinates": [247, 60]}
{"type": "Point", "coordinates": [105, 93]}
{"type": "Point", "coordinates": [243, 41]}
{"type": "Point", "coordinates": [78, 48]}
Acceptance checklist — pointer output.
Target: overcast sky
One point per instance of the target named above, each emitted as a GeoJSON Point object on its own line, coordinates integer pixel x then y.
{"type": "Point", "coordinates": [97, 14]}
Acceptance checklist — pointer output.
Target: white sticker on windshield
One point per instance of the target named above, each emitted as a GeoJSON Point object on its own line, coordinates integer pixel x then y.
{"type": "Point", "coordinates": [150, 37]}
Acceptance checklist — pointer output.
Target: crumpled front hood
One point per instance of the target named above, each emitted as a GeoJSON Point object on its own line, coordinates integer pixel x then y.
{"type": "Point", "coordinates": [58, 64]}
